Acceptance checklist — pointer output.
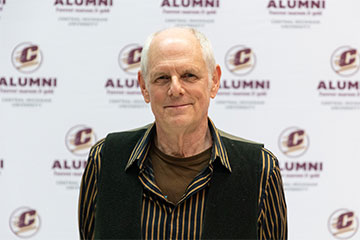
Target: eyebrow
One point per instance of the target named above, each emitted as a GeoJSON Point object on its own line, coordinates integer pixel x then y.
{"type": "Point", "coordinates": [157, 74]}
{"type": "Point", "coordinates": [189, 69]}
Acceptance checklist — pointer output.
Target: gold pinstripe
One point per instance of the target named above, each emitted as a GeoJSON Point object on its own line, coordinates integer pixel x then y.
{"type": "Point", "coordinates": [198, 187]}
{"type": "Point", "coordinates": [202, 210]}
{"type": "Point", "coordinates": [271, 154]}
{"type": "Point", "coordinates": [142, 213]}
{"type": "Point", "coordinates": [262, 175]}
{"type": "Point", "coordinates": [153, 221]}
{"type": "Point", "coordinates": [160, 213]}
{"type": "Point", "coordinates": [138, 147]}
{"type": "Point", "coordinates": [91, 217]}
{"type": "Point", "coordinates": [282, 197]}
{"type": "Point", "coordinates": [189, 219]}
{"type": "Point", "coordinates": [90, 196]}
{"type": "Point", "coordinates": [146, 149]}
{"type": "Point", "coordinates": [164, 226]}
{"type": "Point", "coordinates": [150, 188]}
{"type": "Point", "coordinates": [147, 221]}
{"type": "Point", "coordinates": [177, 222]}
{"type": "Point", "coordinates": [266, 220]}
{"type": "Point", "coordinates": [183, 221]}
{"type": "Point", "coordinates": [270, 213]}
{"type": "Point", "coordinates": [273, 205]}
{"type": "Point", "coordinates": [196, 210]}
{"type": "Point", "coordinates": [172, 223]}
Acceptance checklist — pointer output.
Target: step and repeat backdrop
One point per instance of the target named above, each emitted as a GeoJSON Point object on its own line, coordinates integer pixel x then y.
{"type": "Point", "coordinates": [290, 79]}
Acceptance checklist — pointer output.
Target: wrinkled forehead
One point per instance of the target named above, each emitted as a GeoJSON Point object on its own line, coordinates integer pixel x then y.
{"type": "Point", "coordinates": [172, 45]}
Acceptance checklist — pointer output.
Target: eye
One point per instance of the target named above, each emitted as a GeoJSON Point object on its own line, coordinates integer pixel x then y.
{"type": "Point", "coordinates": [189, 76]}
{"type": "Point", "coordinates": [161, 79]}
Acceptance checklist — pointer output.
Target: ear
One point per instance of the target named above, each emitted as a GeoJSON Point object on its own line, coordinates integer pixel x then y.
{"type": "Point", "coordinates": [215, 81]}
{"type": "Point", "coordinates": [143, 88]}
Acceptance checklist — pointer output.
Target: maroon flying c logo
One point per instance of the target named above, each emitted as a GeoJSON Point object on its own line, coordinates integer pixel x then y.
{"type": "Point", "coordinates": [293, 142]}
{"type": "Point", "coordinates": [343, 224]}
{"type": "Point", "coordinates": [79, 139]}
{"type": "Point", "coordinates": [24, 222]}
{"type": "Point", "coordinates": [345, 61]}
{"type": "Point", "coordinates": [240, 60]}
{"type": "Point", "coordinates": [129, 58]}
{"type": "Point", "coordinates": [26, 57]}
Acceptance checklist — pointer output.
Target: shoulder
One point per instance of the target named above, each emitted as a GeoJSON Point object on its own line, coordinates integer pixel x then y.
{"type": "Point", "coordinates": [239, 147]}
{"type": "Point", "coordinates": [236, 139]}
{"type": "Point", "coordinates": [137, 132]}
{"type": "Point", "coordinates": [270, 164]}
{"type": "Point", "coordinates": [128, 136]}
{"type": "Point", "coordinates": [248, 151]}
{"type": "Point", "coordinates": [96, 148]}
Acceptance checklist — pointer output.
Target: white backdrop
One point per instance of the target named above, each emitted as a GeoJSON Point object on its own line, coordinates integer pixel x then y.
{"type": "Point", "coordinates": [290, 80]}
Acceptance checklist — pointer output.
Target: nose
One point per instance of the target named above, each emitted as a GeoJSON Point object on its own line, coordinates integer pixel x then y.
{"type": "Point", "coordinates": [176, 88]}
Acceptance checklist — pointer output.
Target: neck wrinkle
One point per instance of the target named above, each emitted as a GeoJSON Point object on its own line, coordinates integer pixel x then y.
{"type": "Point", "coordinates": [183, 143]}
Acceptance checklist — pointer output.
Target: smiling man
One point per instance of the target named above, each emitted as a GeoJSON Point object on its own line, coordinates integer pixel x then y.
{"type": "Point", "coordinates": [180, 177]}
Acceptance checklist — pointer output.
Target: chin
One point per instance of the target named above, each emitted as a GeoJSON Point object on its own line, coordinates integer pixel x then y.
{"type": "Point", "coordinates": [177, 121]}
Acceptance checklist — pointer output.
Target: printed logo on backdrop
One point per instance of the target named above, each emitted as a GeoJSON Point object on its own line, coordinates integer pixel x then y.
{"type": "Point", "coordinates": [191, 13]}
{"type": "Point", "coordinates": [25, 222]}
{"type": "Point", "coordinates": [124, 91]}
{"type": "Point", "coordinates": [342, 91]}
{"type": "Point", "coordinates": [67, 169]}
{"type": "Point", "coordinates": [26, 57]}
{"type": "Point", "coordinates": [345, 61]}
{"type": "Point", "coordinates": [129, 58]}
{"type": "Point", "coordinates": [84, 13]}
{"type": "Point", "coordinates": [79, 140]}
{"type": "Point", "coordinates": [343, 224]}
{"type": "Point", "coordinates": [293, 142]}
{"type": "Point", "coordinates": [27, 88]}
{"type": "Point", "coordinates": [299, 174]}
{"type": "Point", "coordinates": [238, 88]}
{"type": "Point", "coordinates": [296, 14]}
{"type": "Point", "coordinates": [240, 60]}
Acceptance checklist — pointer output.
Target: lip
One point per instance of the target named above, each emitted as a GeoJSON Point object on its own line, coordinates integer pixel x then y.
{"type": "Point", "coordinates": [174, 106]}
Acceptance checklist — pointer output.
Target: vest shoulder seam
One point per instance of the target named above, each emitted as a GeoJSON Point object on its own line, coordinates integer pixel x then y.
{"type": "Point", "coordinates": [238, 139]}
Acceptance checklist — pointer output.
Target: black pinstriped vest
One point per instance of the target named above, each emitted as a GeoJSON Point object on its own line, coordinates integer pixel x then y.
{"type": "Point", "coordinates": [231, 209]}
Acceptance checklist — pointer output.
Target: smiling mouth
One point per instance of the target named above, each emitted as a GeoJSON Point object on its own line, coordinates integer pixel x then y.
{"type": "Point", "coordinates": [178, 105]}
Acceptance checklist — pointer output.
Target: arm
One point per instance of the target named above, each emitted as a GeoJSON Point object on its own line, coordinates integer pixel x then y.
{"type": "Point", "coordinates": [272, 221]}
{"type": "Point", "coordinates": [88, 193]}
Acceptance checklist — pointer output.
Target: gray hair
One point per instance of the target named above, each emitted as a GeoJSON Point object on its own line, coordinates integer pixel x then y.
{"type": "Point", "coordinates": [206, 49]}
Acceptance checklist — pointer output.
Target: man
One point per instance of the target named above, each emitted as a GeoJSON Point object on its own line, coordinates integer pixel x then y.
{"type": "Point", "coordinates": [180, 177]}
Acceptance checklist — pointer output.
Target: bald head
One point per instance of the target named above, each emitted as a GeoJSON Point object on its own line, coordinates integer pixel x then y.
{"type": "Point", "coordinates": [168, 38]}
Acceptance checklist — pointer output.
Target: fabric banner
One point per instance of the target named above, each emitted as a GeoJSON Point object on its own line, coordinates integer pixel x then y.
{"type": "Point", "coordinates": [290, 79]}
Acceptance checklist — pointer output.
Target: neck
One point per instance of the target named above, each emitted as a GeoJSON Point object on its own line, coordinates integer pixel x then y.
{"type": "Point", "coordinates": [183, 142]}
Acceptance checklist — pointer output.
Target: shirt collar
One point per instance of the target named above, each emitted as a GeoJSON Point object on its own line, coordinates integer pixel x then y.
{"type": "Point", "coordinates": [142, 147]}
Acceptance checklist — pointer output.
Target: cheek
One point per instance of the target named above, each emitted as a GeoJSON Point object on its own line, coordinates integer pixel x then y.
{"type": "Point", "coordinates": [157, 97]}
{"type": "Point", "coordinates": [201, 95]}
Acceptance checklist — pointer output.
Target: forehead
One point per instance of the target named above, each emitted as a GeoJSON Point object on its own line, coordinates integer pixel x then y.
{"type": "Point", "coordinates": [175, 48]}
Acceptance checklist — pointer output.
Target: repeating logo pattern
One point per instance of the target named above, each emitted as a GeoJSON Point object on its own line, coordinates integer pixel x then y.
{"type": "Point", "coordinates": [129, 58]}
{"type": "Point", "coordinates": [26, 57]}
{"type": "Point", "coordinates": [345, 61]}
{"type": "Point", "coordinates": [343, 224]}
{"type": "Point", "coordinates": [293, 142]}
{"type": "Point", "coordinates": [240, 60]}
{"type": "Point", "coordinates": [79, 139]}
{"type": "Point", "coordinates": [25, 222]}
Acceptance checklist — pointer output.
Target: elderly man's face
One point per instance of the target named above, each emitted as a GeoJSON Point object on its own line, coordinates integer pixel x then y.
{"type": "Point", "coordinates": [178, 86]}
